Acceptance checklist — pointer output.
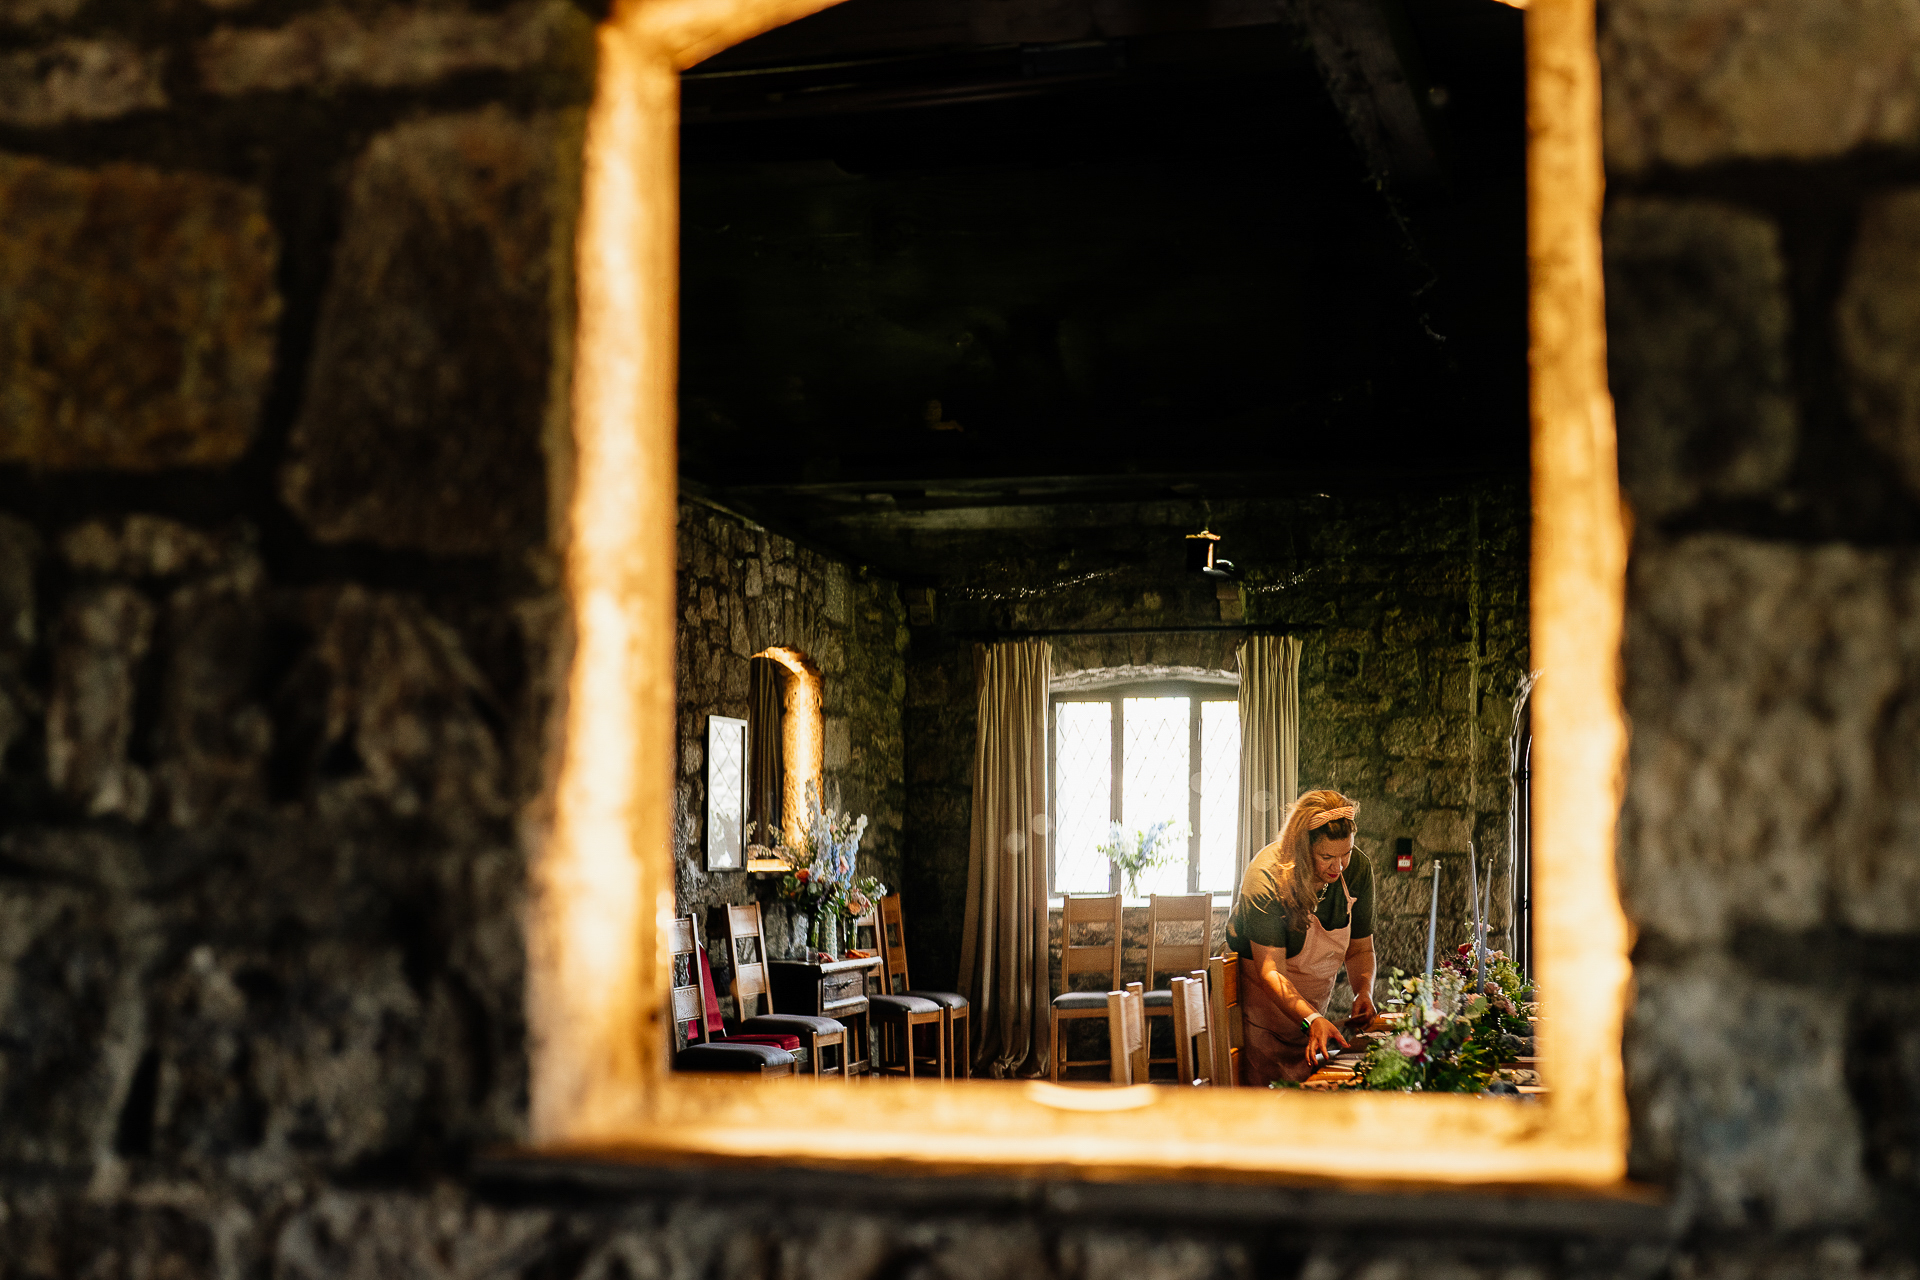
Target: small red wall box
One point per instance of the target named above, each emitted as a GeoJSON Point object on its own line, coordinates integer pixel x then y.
{"type": "Point", "coordinates": [1403, 854]}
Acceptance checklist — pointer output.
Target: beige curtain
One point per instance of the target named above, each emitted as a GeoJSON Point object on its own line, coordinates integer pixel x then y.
{"type": "Point", "coordinates": [1269, 741]}
{"type": "Point", "coordinates": [1003, 948]}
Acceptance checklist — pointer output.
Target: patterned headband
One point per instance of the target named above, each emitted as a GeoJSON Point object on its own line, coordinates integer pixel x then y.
{"type": "Point", "coordinates": [1325, 816]}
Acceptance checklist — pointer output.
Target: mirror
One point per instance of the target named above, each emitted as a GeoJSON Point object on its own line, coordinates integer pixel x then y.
{"type": "Point", "coordinates": [980, 332]}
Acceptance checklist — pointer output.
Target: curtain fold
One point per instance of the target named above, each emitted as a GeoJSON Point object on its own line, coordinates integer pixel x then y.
{"type": "Point", "coordinates": [766, 771]}
{"type": "Point", "coordinates": [1003, 948]}
{"type": "Point", "coordinates": [1269, 741]}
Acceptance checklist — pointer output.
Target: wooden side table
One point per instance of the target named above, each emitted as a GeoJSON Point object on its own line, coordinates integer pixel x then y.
{"type": "Point", "coordinates": [837, 990]}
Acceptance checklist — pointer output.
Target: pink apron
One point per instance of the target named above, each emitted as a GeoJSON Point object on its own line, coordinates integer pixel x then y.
{"type": "Point", "coordinates": [1276, 1047]}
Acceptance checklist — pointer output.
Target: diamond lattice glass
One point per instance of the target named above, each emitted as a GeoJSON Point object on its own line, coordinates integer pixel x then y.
{"type": "Point", "coordinates": [1082, 795]}
{"type": "Point", "coordinates": [1219, 780]}
{"type": "Point", "coordinates": [1156, 748]}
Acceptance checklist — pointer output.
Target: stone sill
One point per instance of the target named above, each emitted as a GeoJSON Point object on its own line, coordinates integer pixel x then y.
{"type": "Point", "coordinates": [1220, 902]}
{"type": "Point", "coordinates": [1623, 1210]}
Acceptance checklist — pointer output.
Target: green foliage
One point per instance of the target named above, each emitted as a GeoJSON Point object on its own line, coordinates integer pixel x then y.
{"type": "Point", "coordinates": [1135, 851]}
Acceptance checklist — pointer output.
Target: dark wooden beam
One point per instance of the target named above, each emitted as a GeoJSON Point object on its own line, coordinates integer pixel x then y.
{"type": "Point", "coordinates": [1367, 70]}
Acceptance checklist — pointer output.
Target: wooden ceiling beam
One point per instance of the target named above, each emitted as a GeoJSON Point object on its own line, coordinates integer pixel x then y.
{"type": "Point", "coordinates": [1382, 101]}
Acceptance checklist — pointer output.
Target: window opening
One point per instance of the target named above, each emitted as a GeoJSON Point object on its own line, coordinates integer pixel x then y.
{"type": "Point", "coordinates": [1140, 755]}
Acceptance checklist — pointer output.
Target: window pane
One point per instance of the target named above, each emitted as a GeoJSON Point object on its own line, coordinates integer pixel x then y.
{"type": "Point", "coordinates": [1219, 794]}
{"type": "Point", "coordinates": [1155, 757]}
{"type": "Point", "coordinates": [1082, 795]}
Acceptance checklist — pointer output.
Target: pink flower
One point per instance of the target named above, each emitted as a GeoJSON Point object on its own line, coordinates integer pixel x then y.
{"type": "Point", "coordinates": [1408, 1045]}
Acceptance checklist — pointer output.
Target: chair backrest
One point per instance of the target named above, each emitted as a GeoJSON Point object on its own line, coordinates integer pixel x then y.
{"type": "Point", "coordinates": [1224, 1019]}
{"type": "Point", "coordinates": [1178, 909]}
{"type": "Point", "coordinates": [747, 949]}
{"type": "Point", "coordinates": [866, 934]}
{"type": "Point", "coordinates": [1127, 1034]}
{"type": "Point", "coordinates": [1098, 957]}
{"type": "Point", "coordinates": [893, 946]}
{"type": "Point", "coordinates": [686, 997]}
{"type": "Point", "coordinates": [1192, 1045]}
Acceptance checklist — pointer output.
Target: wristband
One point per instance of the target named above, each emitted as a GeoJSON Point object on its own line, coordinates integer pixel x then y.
{"type": "Point", "coordinates": [1307, 1022]}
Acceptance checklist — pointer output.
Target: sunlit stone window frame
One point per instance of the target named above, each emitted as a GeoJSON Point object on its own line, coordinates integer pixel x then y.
{"type": "Point", "coordinates": [602, 884]}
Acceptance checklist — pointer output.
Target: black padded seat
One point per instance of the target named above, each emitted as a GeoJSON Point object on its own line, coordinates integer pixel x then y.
{"type": "Point", "coordinates": [904, 1004]}
{"type": "Point", "coordinates": [722, 1056]}
{"type": "Point", "coordinates": [945, 999]}
{"type": "Point", "coordinates": [790, 1024]}
{"type": "Point", "coordinates": [1080, 1000]}
{"type": "Point", "coordinates": [1159, 999]}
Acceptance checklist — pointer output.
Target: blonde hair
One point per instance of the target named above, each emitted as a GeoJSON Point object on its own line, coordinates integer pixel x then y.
{"type": "Point", "coordinates": [1300, 887]}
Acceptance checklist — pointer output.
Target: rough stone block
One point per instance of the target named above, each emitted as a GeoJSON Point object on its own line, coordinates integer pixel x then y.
{"type": "Point", "coordinates": [144, 546]}
{"type": "Point", "coordinates": [1413, 736]}
{"type": "Point", "coordinates": [1878, 326]}
{"type": "Point", "coordinates": [1738, 1091]}
{"type": "Point", "coordinates": [315, 1049]}
{"type": "Point", "coordinates": [1697, 325]}
{"type": "Point", "coordinates": [137, 314]}
{"type": "Point", "coordinates": [423, 419]}
{"type": "Point", "coordinates": [1693, 82]}
{"type": "Point", "coordinates": [70, 1020]}
{"type": "Point", "coordinates": [1771, 692]}
{"type": "Point", "coordinates": [76, 80]}
{"type": "Point", "coordinates": [104, 634]}
{"type": "Point", "coordinates": [360, 1236]}
{"type": "Point", "coordinates": [336, 48]}
{"type": "Point", "coordinates": [21, 13]}
{"type": "Point", "coordinates": [399, 713]}
{"type": "Point", "coordinates": [19, 700]}
{"type": "Point", "coordinates": [212, 734]}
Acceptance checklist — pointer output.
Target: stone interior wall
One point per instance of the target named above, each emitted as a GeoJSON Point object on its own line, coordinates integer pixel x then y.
{"type": "Point", "coordinates": [743, 590]}
{"type": "Point", "coordinates": [275, 686]}
{"type": "Point", "coordinates": [1412, 613]}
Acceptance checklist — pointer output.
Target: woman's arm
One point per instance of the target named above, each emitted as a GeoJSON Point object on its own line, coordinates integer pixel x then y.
{"type": "Point", "coordinates": [1360, 969]}
{"type": "Point", "coordinates": [1271, 963]}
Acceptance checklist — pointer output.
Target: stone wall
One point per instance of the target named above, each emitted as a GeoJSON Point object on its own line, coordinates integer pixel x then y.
{"type": "Point", "coordinates": [743, 590]}
{"type": "Point", "coordinates": [1412, 612]}
{"type": "Point", "coordinates": [283, 316]}
{"type": "Point", "coordinates": [260, 873]}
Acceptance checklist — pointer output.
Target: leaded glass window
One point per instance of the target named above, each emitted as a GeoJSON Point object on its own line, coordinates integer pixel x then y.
{"type": "Point", "coordinates": [1139, 755]}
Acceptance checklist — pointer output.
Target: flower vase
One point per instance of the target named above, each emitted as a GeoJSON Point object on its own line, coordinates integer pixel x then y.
{"type": "Point", "coordinates": [829, 940]}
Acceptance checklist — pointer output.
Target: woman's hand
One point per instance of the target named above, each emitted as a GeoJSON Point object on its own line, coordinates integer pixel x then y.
{"type": "Point", "coordinates": [1319, 1033]}
{"type": "Point", "coordinates": [1363, 1010]}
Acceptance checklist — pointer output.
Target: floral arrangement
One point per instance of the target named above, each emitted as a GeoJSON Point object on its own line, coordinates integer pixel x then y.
{"type": "Point", "coordinates": [1452, 1038]}
{"type": "Point", "coordinates": [1135, 851]}
{"type": "Point", "coordinates": [821, 865]}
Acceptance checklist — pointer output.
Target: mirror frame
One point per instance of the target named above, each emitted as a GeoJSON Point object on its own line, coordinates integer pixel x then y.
{"type": "Point", "coordinates": [602, 883]}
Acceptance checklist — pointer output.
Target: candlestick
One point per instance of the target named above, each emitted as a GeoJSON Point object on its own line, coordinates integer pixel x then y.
{"type": "Point", "coordinates": [1433, 920]}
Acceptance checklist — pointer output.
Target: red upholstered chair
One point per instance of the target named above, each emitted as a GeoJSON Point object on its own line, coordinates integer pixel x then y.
{"type": "Point", "coordinates": [701, 1044]}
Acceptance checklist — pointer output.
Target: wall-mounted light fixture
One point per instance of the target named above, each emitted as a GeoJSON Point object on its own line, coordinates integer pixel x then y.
{"type": "Point", "coordinates": [1203, 556]}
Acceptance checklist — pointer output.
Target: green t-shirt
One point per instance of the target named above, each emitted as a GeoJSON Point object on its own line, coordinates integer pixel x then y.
{"type": "Point", "coordinates": [1260, 913]}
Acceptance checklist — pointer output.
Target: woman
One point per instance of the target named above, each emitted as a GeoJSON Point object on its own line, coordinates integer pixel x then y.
{"type": "Point", "coordinates": [1304, 910]}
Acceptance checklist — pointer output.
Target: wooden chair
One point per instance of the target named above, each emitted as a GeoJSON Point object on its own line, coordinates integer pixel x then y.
{"type": "Point", "coordinates": [696, 1016]}
{"type": "Point", "coordinates": [1224, 1018]}
{"type": "Point", "coordinates": [956, 1015]}
{"type": "Point", "coordinates": [1127, 1038]}
{"type": "Point", "coordinates": [1174, 957]}
{"type": "Point", "coordinates": [751, 986]}
{"type": "Point", "coordinates": [1085, 911]}
{"type": "Point", "coordinates": [894, 1017]}
{"type": "Point", "coordinates": [1192, 1043]}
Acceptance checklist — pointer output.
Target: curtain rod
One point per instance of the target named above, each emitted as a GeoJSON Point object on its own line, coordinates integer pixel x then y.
{"type": "Point", "coordinates": [1250, 628]}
